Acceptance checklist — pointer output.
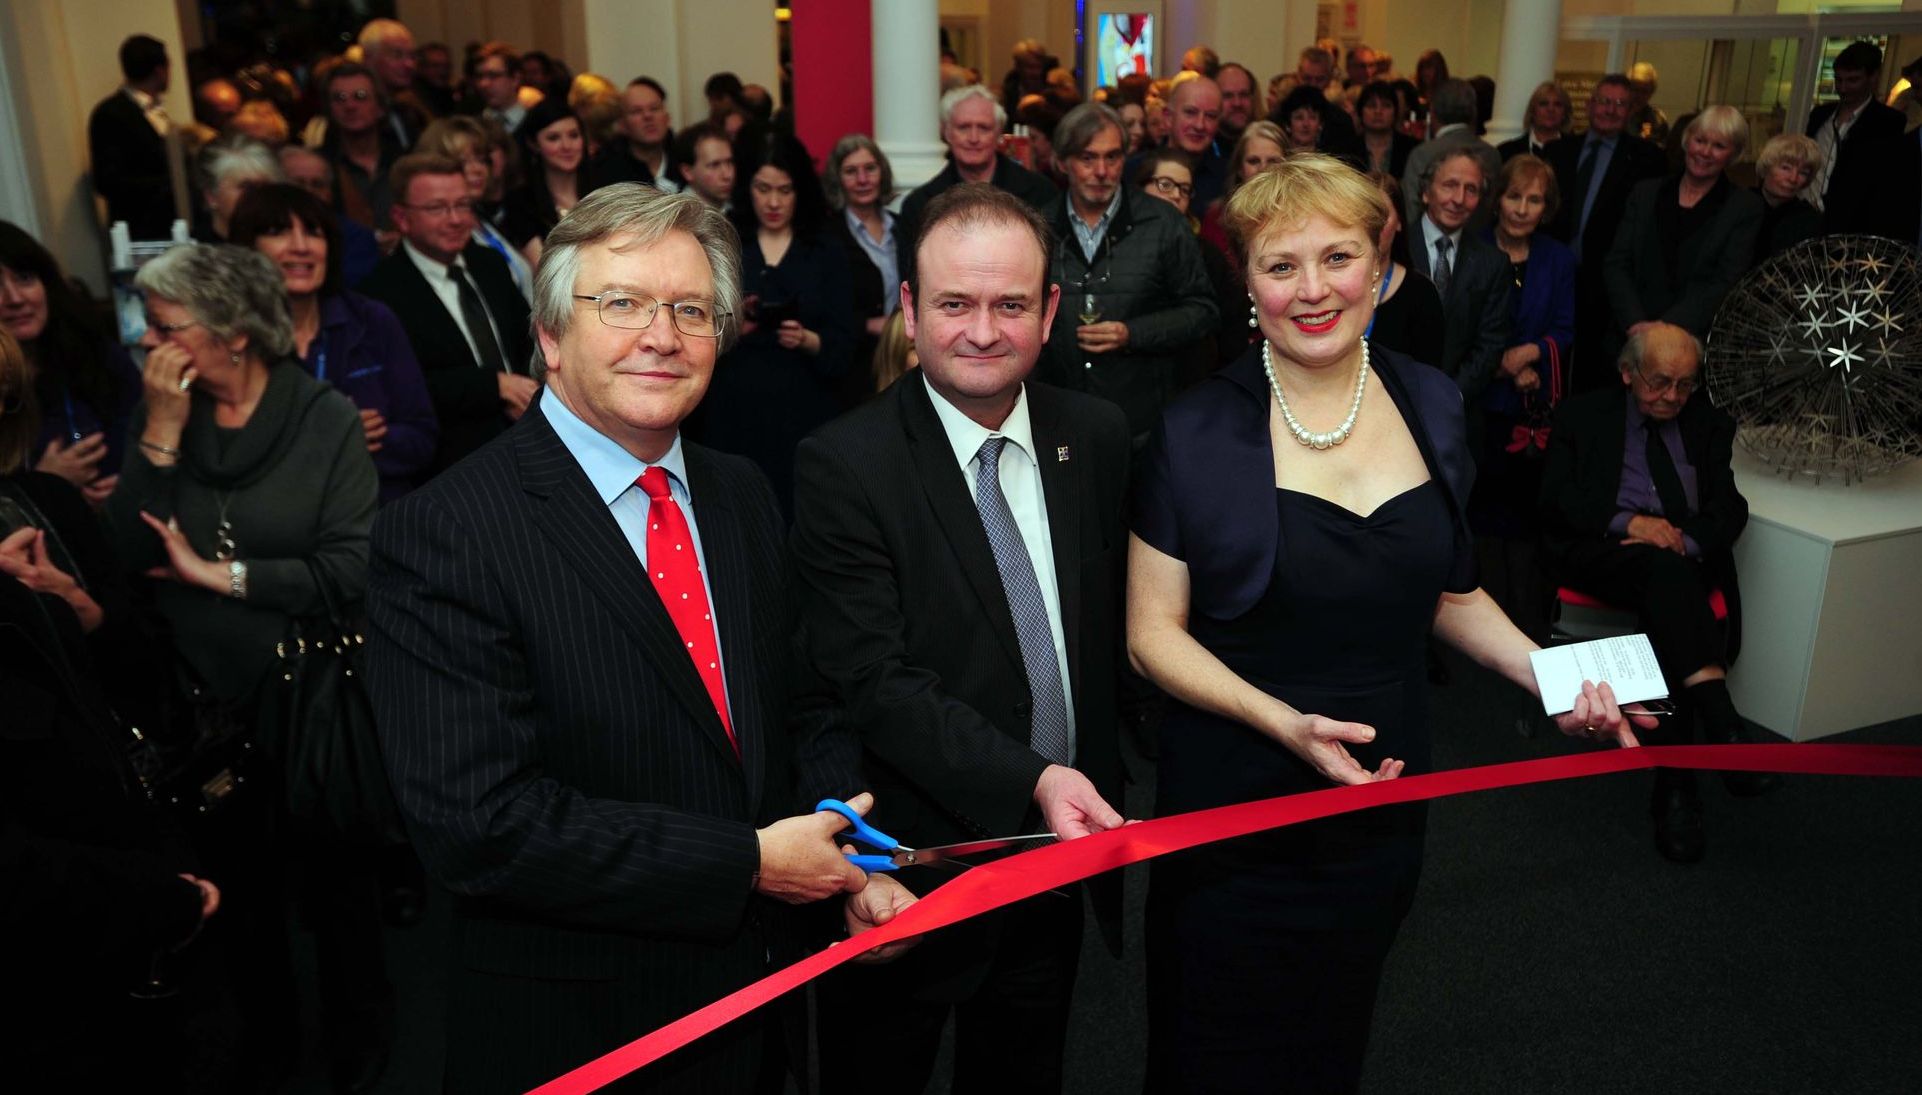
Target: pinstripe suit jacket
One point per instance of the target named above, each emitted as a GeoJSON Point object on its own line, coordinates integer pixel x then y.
{"type": "Point", "coordinates": [908, 622]}
{"type": "Point", "coordinates": [561, 768]}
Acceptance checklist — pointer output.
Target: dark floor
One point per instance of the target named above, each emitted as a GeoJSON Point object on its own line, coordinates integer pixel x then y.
{"type": "Point", "coordinates": [1551, 949]}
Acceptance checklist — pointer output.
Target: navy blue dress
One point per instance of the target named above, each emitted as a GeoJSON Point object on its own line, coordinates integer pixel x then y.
{"type": "Point", "coordinates": [1264, 952]}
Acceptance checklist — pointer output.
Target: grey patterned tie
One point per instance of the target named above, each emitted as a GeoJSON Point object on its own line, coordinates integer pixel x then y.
{"type": "Point", "coordinates": [1444, 270]}
{"type": "Point", "coordinates": [1048, 731]}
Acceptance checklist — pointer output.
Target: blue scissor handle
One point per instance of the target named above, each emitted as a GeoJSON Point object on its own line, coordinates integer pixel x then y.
{"type": "Point", "coordinates": [867, 834]}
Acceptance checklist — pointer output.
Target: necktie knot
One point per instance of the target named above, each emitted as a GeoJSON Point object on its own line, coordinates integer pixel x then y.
{"type": "Point", "coordinates": [1444, 245]}
{"type": "Point", "coordinates": [988, 456]}
{"type": "Point", "coordinates": [654, 482]}
{"type": "Point", "coordinates": [455, 270]}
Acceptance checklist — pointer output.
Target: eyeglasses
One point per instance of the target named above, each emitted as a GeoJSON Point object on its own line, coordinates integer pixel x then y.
{"type": "Point", "coordinates": [1659, 384]}
{"type": "Point", "coordinates": [441, 209]}
{"type": "Point", "coordinates": [696, 318]}
{"type": "Point", "coordinates": [168, 330]}
{"type": "Point", "coordinates": [358, 95]}
{"type": "Point", "coordinates": [1165, 185]}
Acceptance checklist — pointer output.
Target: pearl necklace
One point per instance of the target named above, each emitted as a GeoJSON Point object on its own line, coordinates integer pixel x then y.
{"type": "Point", "coordinates": [1302, 434]}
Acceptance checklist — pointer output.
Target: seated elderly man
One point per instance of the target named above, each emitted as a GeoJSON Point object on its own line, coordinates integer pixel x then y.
{"type": "Point", "coordinates": [1639, 508]}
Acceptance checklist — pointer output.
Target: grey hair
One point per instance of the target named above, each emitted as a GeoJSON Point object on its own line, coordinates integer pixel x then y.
{"type": "Point", "coordinates": [380, 34]}
{"type": "Point", "coordinates": [848, 146]}
{"type": "Point", "coordinates": [1082, 125]}
{"type": "Point", "coordinates": [1630, 359]}
{"type": "Point", "coordinates": [233, 155]}
{"type": "Point", "coordinates": [646, 214]}
{"type": "Point", "coordinates": [1454, 103]}
{"type": "Point", "coordinates": [1454, 152]}
{"type": "Point", "coordinates": [961, 95]}
{"type": "Point", "coordinates": [1792, 147]}
{"type": "Point", "coordinates": [228, 290]}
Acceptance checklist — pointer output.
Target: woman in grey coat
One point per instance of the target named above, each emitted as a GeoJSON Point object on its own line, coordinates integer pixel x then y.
{"type": "Point", "coordinates": [248, 492]}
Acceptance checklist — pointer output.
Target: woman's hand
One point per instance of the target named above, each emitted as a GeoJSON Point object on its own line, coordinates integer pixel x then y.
{"type": "Point", "coordinates": [1597, 716]}
{"type": "Point", "coordinates": [77, 463]}
{"type": "Point", "coordinates": [1319, 741]}
{"type": "Point", "coordinates": [184, 566]}
{"type": "Point", "coordinates": [1517, 358]}
{"type": "Point", "coordinates": [167, 376]}
{"type": "Point", "coordinates": [1528, 380]}
{"type": "Point", "coordinates": [23, 555]}
{"type": "Point", "coordinates": [792, 336]}
{"type": "Point", "coordinates": [375, 427]}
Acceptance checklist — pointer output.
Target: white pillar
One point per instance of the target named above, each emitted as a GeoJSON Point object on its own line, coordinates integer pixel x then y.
{"type": "Point", "coordinates": [907, 89]}
{"type": "Point", "coordinates": [1531, 33]}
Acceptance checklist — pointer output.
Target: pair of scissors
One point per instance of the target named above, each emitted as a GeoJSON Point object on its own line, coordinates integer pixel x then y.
{"type": "Point", "coordinates": [895, 856]}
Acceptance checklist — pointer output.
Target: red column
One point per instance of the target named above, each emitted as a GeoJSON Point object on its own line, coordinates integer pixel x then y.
{"type": "Point", "coordinates": [830, 42]}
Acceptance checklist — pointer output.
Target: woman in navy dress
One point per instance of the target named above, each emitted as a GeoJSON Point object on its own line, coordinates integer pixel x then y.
{"type": "Point", "coordinates": [784, 376]}
{"type": "Point", "coordinates": [1299, 532]}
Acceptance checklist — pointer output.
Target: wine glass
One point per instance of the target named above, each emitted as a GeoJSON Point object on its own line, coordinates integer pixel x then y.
{"type": "Point", "coordinates": [1090, 309]}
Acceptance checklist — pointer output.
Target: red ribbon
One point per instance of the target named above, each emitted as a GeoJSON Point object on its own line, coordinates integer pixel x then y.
{"type": "Point", "coordinates": [1022, 876]}
{"type": "Point", "coordinates": [1524, 437]}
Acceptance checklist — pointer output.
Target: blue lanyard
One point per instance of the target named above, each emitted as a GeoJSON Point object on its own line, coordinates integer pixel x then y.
{"type": "Point", "coordinates": [1381, 293]}
{"type": "Point", "coordinates": [73, 428]}
{"type": "Point", "coordinates": [320, 358]}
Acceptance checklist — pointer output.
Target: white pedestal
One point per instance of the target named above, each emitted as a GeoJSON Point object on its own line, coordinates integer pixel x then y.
{"type": "Point", "coordinates": [1831, 580]}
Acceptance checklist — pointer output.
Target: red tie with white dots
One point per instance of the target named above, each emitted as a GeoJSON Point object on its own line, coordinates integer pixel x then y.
{"type": "Point", "coordinates": [676, 571]}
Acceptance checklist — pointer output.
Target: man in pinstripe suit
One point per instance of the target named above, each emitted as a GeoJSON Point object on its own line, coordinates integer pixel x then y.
{"type": "Point", "coordinates": [958, 543]}
{"type": "Point", "coordinates": [579, 656]}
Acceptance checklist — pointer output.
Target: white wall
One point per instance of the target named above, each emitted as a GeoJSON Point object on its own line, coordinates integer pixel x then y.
{"type": "Point", "coordinates": [680, 43]}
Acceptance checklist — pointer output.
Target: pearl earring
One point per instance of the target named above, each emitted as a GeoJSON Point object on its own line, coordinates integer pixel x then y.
{"type": "Point", "coordinates": [235, 357]}
{"type": "Point", "coordinates": [1253, 321]}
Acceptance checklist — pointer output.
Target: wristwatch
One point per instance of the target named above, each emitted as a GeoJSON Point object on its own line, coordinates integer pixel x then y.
{"type": "Point", "coordinates": [237, 580]}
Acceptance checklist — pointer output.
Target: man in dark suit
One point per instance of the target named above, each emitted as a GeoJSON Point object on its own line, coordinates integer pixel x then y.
{"type": "Point", "coordinates": [642, 151]}
{"type": "Point", "coordinates": [1595, 170]}
{"type": "Point", "coordinates": [971, 125]}
{"type": "Point", "coordinates": [456, 300]}
{"type": "Point", "coordinates": [1855, 119]}
{"type": "Point", "coordinates": [1453, 110]}
{"type": "Point", "coordinates": [959, 545]}
{"type": "Point", "coordinates": [127, 143]}
{"type": "Point", "coordinates": [1878, 190]}
{"type": "Point", "coordinates": [1471, 275]}
{"type": "Point", "coordinates": [1639, 508]}
{"type": "Point", "coordinates": [578, 659]}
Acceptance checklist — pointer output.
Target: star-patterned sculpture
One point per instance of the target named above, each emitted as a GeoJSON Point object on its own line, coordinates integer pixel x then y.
{"type": "Point", "coordinates": [1816, 355]}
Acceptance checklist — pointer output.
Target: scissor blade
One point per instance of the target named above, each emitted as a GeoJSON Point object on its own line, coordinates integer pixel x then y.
{"type": "Point", "coordinates": [947, 855]}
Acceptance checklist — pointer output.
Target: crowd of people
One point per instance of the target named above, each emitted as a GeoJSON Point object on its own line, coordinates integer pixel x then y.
{"type": "Point", "coordinates": [686, 476]}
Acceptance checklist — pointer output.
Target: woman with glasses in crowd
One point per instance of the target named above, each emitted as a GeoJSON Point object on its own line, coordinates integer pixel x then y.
{"type": "Point", "coordinates": [555, 150]}
{"type": "Point", "coordinates": [1168, 173]}
{"type": "Point", "coordinates": [84, 384]}
{"type": "Point", "coordinates": [468, 142]}
{"type": "Point", "coordinates": [348, 340]}
{"type": "Point", "coordinates": [858, 183]}
{"type": "Point", "coordinates": [785, 375]}
{"type": "Point", "coordinates": [249, 492]}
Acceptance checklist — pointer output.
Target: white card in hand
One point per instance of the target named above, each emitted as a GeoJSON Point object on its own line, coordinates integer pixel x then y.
{"type": "Point", "coordinates": [1626, 662]}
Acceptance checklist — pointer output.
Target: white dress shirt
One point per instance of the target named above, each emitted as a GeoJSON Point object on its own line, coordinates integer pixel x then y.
{"type": "Point", "coordinates": [1021, 486]}
{"type": "Point", "coordinates": [443, 285]}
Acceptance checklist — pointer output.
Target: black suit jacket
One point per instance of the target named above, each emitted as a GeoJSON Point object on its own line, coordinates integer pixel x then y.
{"type": "Point", "coordinates": [1633, 161]}
{"type": "Point", "coordinates": [562, 769]}
{"type": "Point", "coordinates": [130, 167]}
{"type": "Point", "coordinates": [1474, 310]}
{"type": "Point", "coordinates": [466, 397]}
{"type": "Point", "coordinates": [908, 622]}
{"type": "Point", "coordinates": [1583, 475]}
{"type": "Point", "coordinates": [1876, 123]}
{"type": "Point", "coordinates": [1709, 263]}
{"type": "Point", "coordinates": [1877, 189]}
{"type": "Point", "coordinates": [1034, 189]}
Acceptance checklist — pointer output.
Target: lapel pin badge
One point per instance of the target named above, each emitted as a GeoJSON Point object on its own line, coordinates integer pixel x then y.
{"type": "Point", "coordinates": [1061, 455]}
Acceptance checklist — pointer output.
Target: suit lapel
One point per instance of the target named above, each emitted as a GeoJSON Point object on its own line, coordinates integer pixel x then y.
{"type": "Point", "coordinates": [574, 519]}
{"type": "Point", "coordinates": [426, 303]}
{"type": "Point", "coordinates": [947, 492]}
{"type": "Point", "coordinates": [1063, 486]}
{"type": "Point", "coordinates": [723, 539]}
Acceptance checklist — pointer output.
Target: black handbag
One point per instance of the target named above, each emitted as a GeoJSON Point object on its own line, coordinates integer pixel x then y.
{"type": "Point", "coordinates": [317, 726]}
